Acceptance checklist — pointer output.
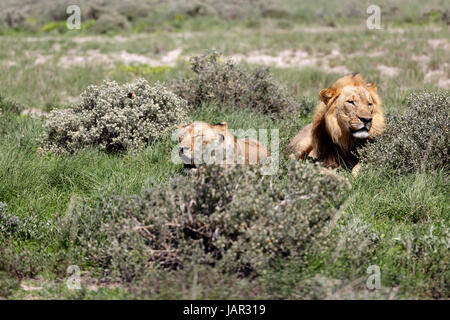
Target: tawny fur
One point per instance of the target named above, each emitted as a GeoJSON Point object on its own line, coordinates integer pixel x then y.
{"type": "Point", "coordinates": [242, 151]}
{"type": "Point", "coordinates": [330, 137]}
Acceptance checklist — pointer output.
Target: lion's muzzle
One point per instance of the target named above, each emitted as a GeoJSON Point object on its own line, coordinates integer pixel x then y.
{"type": "Point", "coordinates": [362, 130]}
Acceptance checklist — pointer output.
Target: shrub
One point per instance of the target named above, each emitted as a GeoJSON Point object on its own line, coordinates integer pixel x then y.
{"type": "Point", "coordinates": [25, 244]}
{"type": "Point", "coordinates": [114, 118]}
{"type": "Point", "coordinates": [306, 106]}
{"type": "Point", "coordinates": [325, 288]}
{"type": "Point", "coordinates": [355, 242]}
{"type": "Point", "coordinates": [234, 219]}
{"type": "Point", "coordinates": [56, 11]}
{"type": "Point", "coordinates": [8, 109]}
{"type": "Point", "coordinates": [417, 140]}
{"type": "Point", "coordinates": [7, 284]}
{"type": "Point", "coordinates": [232, 9]}
{"type": "Point", "coordinates": [59, 26]}
{"type": "Point", "coordinates": [111, 22]}
{"type": "Point", "coordinates": [14, 17]}
{"type": "Point", "coordinates": [413, 259]}
{"type": "Point", "coordinates": [423, 254]}
{"type": "Point", "coordinates": [30, 227]}
{"type": "Point", "coordinates": [7, 222]}
{"type": "Point", "coordinates": [94, 11]}
{"type": "Point", "coordinates": [231, 84]}
{"type": "Point", "coordinates": [9, 106]}
{"type": "Point", "coordinates": [209, 283]}
{"type": "Point", "coordinates": [135, 11]}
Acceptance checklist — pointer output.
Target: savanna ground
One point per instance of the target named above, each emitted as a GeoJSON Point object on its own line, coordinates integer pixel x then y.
{"type": "Point", "coordinates": [308, 45]}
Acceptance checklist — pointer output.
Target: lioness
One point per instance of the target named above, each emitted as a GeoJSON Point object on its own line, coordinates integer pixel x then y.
{"type": "Point", "coordinates": [350, 112]}
{"type": "Point", "coordinates": [201, 142]}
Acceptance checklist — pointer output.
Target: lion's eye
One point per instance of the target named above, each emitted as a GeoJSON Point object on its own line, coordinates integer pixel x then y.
{"type": "Point", "coordinates": [370, 104]}
{"type": "Point", "coordinates": [351, 102]}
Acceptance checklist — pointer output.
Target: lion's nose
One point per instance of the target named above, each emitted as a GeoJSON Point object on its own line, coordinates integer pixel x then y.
{"type": "Point", "coordinates": [366, 120]}
{"type": "Point", "coordinates": [183, 149]}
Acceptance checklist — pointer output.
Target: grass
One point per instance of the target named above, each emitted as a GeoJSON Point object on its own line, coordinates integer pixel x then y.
{"type": "Point", "coordinates": [67, 80]}
{"type": "Point", "coordinates": [45, 184]}
{"type": "Point", "coordinates": [390, 207]}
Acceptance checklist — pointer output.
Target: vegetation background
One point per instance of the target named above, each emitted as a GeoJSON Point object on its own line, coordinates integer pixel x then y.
{"type": "Point", "coordinates": [394, 215]}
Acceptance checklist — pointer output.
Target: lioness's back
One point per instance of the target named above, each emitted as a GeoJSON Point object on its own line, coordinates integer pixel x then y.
{"type": "Point", "coordinates": [253, 151]}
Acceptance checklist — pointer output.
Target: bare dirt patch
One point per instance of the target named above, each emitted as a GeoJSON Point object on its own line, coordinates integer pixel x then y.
{"type": "Point", "coordinates": [34, 113]}
{"type": "Point", "coordinates": [423, 59]}
{"type": "Point", "coordinates": [9, 63]}
{"type": "Point", "coordinates": [41, 59]}
{"type": "Point", "coordinates": [371, 54]}
{"type": "Point", "coordinates": [388, 71]}
{"type": "Point", "coordinates": [443, 44]}
{"type": "Point", "coordinates": [90, 57]}
{"type": "Point", "coordinates": [123, 57]}
{"type": "Point", "coordinates": [438, 76]}
{"type": "Point", "coordinates": [284, 59]}
{"type": "Point", "coordinates": [291, 58]}
{"type": "Point", "coordinates": [84, 39]}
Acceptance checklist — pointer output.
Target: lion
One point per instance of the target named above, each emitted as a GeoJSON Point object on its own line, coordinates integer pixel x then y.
{"type": "Point", "coordinates": [201, 142]}
{"type": "Point", "coordinates": [349, 113]}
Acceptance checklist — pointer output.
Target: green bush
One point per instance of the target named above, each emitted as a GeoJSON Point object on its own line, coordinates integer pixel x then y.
{"type": "Point", "coordinates": [413, 261]}
{"type": "Point", "coordinates": [56, 11]}
{"type": "Point", "coordinates": [26, 244]}
{"type": "Point", "coordinates": [9, 106]}
{"type": "Point", "coordinates": [14, 17]}
{"type": "Point", "coordinates": [231, 9]}
{"type": "Point", "coordinates": [232, 85]}
{"type": "Point", "coordinates": [7, 222]}
{"type": "Point", "coordinates": [111, 22]}
{"type": "Point", "coordinates": [234, 219]}
{"type": "Point", "coordinates": [8, 109]}
{"type": "Point", "coordinates": [353, 243]}
{"type": "Point", "coordinates": [423, 254]}
{"type": "Point", "coordinates": [305, 106]}
{"type": "Point", "coordinates": [114, 118]}
{"type": "Point", "coordinates": [417, 140]}
{"type": "Point", "coordinates": [30, 227]}
{"type": "Point", "coordinates": [59, 26]}
{"type": "Point", "coordinates": [7, 284]}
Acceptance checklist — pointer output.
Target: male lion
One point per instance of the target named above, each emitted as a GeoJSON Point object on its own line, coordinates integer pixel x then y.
{"type": "Point", "coordinates": [350, 111]}
{"type": "Point", "coordinates": [201, 142]}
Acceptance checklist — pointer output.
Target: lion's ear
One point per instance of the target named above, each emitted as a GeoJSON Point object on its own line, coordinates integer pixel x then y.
{"type": "Point", "coordinates": [222, 126]}
{"type": "Point", "coordinates": [326, 94]}
{"type": "Point", "coordinates": [372, 86]}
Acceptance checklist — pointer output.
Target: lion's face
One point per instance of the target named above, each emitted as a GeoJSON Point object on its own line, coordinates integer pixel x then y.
{"type": "Point", "coordinates": [351, 110]}
{"type": "Point", "coordinates": [354, 111]}
{"type": "Point", "coordinates": [198, 139]}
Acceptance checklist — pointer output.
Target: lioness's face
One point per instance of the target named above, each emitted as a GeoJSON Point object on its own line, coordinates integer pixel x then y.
{"type": "Point", "coordinates": [196, 137]}
{"type": "Point", "coordinates": [355, 111]}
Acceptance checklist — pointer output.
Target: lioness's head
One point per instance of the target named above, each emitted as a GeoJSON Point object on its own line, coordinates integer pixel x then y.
{"type": "Point", "coordinates": [199, 139]}
{"type": "Point", "coordinates": [351, 110]}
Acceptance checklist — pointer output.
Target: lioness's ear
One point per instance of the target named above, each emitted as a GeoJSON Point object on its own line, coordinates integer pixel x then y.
{"type": "Point", "coordinates": [222, 126]}
{"type": "Point", "coordinates": [182, 126]}
{"type": "Point", "coordinates": [372, 86]}
{"type": "Point", "coordinates": [326, 94]}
